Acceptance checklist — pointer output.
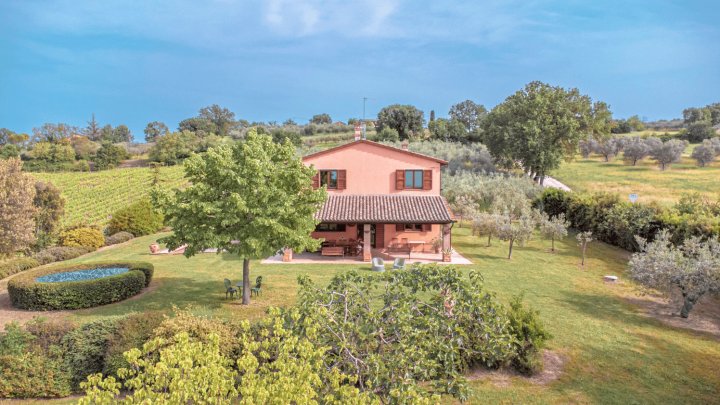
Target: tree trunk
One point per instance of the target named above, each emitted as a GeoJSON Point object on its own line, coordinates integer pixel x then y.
{"type": "Point", "coordinates": [583, 255]}
{"type": "Point", "coordinates": [246, 282]}
{"type": "Point", "coordinates": [511, 246]}
{"type": "Point", "coordinates": [553, 244]}
{"type": "Point", "coordinates": [542, 179]}
{"type": "Point", "coordinates": [489, 236]}
{"type": "Point", "coordinates": [688, 305]}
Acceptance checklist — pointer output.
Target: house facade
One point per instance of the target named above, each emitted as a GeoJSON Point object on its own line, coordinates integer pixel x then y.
{"type": "Point", "coordinates": [382, 198]}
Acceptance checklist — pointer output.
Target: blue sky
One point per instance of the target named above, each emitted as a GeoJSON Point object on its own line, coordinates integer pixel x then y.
{"type": "Point", "coordinates": [137, 61]}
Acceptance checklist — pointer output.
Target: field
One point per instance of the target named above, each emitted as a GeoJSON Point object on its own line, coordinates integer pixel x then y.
{"type": "Point", "coordinates": [646, 179]}
{"type": "Point", "coordinates": [614, 353]}
{"type": "Point", "coordinates": [92, 196]}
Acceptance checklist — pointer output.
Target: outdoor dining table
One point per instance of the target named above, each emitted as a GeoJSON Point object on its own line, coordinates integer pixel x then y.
{"type": "Point", "coordinates": [414, 242]}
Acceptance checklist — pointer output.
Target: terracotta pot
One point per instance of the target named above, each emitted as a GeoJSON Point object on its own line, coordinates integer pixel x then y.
{"type": "Point", "coordinates": [154, 248]}
{"type": "Point", "coordinates": [447, 257]}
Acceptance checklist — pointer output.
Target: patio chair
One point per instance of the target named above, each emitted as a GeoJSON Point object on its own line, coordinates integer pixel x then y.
{"type": "Point", "coordinates": [258, 285]}
{"type": "Point", "coordinates": [229, 289]}
{"type": "Point", "coordinates": [399, 263]}
{"type": "Point", "coordinates": [378, 264]}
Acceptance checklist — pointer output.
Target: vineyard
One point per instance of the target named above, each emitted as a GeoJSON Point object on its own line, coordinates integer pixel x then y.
{"type": "Point", "coordinates": [91, 197]}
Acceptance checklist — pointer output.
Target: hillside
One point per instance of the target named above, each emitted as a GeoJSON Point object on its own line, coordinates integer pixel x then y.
{"type": "Point", "coordinates": [93, 196]}
{"type": "Point", "coordinates": [646, 179]}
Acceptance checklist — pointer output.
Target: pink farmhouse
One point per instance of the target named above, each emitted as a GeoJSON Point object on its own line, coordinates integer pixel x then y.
{"type": "Point", "coordinates": [380, 198]}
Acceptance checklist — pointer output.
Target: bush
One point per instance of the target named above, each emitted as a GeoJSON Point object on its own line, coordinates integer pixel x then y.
{"type": "Point", "coordinates": [48, 333]}
{"type": "Point", "coordinates": [138, 218]}
{"type": "Point", "coordinates": [83, 237]}
{"type": "Point", "coordinates": [118, 237]}
{"type": "Point", "coordinates": [59, 253]}
{"type": "Point", "coordinates": [13, 266]}
{"type": "Point", "coordinates": [26, 293]}
{"type": "Point", "coordinates": [388, 135]}
{"type": "Point", "coordinates": [32, 375]}
{"type": "Point", "coordinates": [85, 349]}
{"type": "Point", "coordinates": [131, 333]}
{"type": "Point", "coordinates": [531, 335]}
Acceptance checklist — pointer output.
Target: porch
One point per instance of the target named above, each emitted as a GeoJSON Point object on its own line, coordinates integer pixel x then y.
{"type": "Point", "coordinates": [316, 258]}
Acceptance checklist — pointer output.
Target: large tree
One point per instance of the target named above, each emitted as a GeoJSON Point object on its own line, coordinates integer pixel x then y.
{"type": "Point", "coordinates": [321, 119]}
{"type": "Point", "coordinates": [539, 126]}
{"type": "Point", "coordinates": [469, 113]}
{"type": "Point", "coordinates": [222, 118]}
{"type": "Point", "coordinates": [50, 206]}
{"type": "Point", "coordinates": [405, 119]}
{"type": "Point", "coordinates": [49, 132]}
{"type": "Point", "coordinates": [155, 129]}
{"type": "Point", "coordinates": [251, 199]}
{"type": "Point", "coordinates": [92, 130]}
{"type": "Point", "coordinates": [17, 213]}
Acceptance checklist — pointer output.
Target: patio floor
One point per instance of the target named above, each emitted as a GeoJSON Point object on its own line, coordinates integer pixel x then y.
{"type": "Point", "coordinates": [417, 257]}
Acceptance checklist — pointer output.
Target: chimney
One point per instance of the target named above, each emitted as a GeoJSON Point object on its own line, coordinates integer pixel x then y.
{"type": "Point", "coordinates": [404, 145]}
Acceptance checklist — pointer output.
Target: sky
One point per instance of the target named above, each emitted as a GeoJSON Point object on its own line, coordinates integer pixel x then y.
{"type": "Point", "coordinates": [132, 62]}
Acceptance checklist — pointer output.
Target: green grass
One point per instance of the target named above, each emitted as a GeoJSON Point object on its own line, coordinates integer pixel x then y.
{"type": "Point", "coordinates": [646, 179]}
{"type": "Point", "coordinates": [93, 196]}
{"type": "Point", "coordinates": [616, 355]}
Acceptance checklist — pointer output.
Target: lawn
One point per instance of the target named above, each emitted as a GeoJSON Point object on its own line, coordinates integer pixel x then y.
{"type": "Point", "coordinates": [91, 197]}
{"type": "Point", "coordinates": [646, 179]}
{"type": "Point", "coordinates": [616, 354]}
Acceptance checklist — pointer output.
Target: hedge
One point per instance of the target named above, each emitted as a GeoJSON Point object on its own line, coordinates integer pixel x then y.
{"type": "Point", "coordinates": [85, 237]}
{"type": "Point", "coordinates": [12, 266]}
{"type": "Point", "coordinates": [618, 222]}
{"type": "Point", "coordinates": [118, 237]}
{"type": "Point", "coordinates": [59, 253]}
{"type": "Point", "coordinates": [26, 293]}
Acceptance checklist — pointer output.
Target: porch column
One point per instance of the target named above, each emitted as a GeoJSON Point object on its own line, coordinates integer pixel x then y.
{"type": "Point", "coordinates": [367, 253]}
{"type": "Point", "coordinates": [446, 237]}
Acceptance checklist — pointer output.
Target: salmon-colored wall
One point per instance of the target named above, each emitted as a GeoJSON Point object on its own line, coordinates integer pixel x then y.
{"type": "Point", "coordinates": [350, 233]}
{"type": "Point", "coordinates": [426, 237]}
{"type": "Point", "coordinates": [371, 169]}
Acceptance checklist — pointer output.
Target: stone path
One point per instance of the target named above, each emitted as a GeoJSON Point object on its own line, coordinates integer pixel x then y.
{"type": "Point", "coordinates": [554, 183]}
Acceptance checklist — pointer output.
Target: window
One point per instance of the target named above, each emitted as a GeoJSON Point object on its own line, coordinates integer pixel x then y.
{"type": "Point", "coordinates": [329, 178]}
{"type": "Point", "coordinates": [413, 227]}
{"type": "Point", "coordinates": [324, 227]}
{"type": "Point", "coordinates": [414, 179]}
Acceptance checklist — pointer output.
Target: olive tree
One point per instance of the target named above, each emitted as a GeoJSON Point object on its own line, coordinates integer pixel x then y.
{"type": "Point", "coordinates": [17, 212]}
{"type": "Point", "coordinates": [668, 152]}
{"type": "Point", "coordinates": [693, 267]}
{"type": "Point", "coordinates": [486, 224]}
{"type": "Point", "coordinates": [584, 239]}
{"type": "Point", "coordinates": [554, 227]}
{"type": "Point", "coordinates": [609, 148]}
{"type": "Point", "coordinates": [516, 231]}
{"type": "Point", "coordinates": [251, 199]}
{"type": "Point", "coordinates": [464, 207]}
{"type": "Point", "coordinates": [703, 154]}
{"type": "Point", "coordinates": [636, 150]}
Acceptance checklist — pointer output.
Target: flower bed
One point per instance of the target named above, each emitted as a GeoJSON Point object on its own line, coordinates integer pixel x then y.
{"type": "Point", "coordinates": [79, 285]}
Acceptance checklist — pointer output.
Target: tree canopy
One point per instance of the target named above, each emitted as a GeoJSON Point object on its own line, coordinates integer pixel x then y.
{"type": "Point", "coordinates": [17, 212]}
{"type": "Point", "coordinates": [405, 119]}
{"type": "Point", "coordinates": [540, 125]}
{"type": "Point", "coordinates": [469, 114]}
{"type": "Point", "coordinates": [251, 199]}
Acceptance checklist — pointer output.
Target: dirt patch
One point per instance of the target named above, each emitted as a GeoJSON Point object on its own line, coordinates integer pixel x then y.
{"type": "Point", "coordinates": [705, 316]}
{"type": "Point", "coordinates": [553, 361]}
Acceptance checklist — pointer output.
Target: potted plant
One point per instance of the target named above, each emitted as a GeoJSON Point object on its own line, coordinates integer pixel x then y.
{"type": "Point", "coordinates": [436, 244]}
{"type": "Point", "coordinates": [447, 255]}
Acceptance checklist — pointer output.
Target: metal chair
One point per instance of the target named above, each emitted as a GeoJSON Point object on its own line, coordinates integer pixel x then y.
{"type": "Point", "coordinates": [258, 285]}
{"type": "Point", "coordinates": [378, 264]}
{"type": "Point", "coordinates": [229, 289]}
{"type": "Point", "coordinates": [399, 263]}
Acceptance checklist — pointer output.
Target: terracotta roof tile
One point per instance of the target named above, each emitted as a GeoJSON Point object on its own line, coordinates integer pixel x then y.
{"type": "Point", "coordinates": [385, 209]}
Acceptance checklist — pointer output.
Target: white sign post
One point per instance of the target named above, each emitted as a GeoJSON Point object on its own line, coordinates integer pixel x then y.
{"type": "Point", "coordinates": [633, 198]}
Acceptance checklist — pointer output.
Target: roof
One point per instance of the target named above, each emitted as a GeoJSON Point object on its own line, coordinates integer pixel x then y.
{"type": "Point", "coordinates": [408, 209]}
{"type": "Point", "coordinates": [353, 143]}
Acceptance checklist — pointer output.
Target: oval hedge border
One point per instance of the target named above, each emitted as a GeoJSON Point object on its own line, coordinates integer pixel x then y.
{"type": "Point", "coordinates": [26, 293]}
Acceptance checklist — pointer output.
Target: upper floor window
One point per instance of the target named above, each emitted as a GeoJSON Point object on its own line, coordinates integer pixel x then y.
{"type": "Point", "coordinates": [414, 179]}
{"type": "Point", "coordinates": [329, 178]}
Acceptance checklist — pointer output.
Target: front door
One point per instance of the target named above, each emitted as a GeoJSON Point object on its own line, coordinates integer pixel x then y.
{"type": "Point", "coordinates": [360, 230]}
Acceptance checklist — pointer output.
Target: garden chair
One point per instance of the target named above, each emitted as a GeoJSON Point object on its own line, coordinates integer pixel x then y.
{"type": "Point", "coordinates": [399, 263]}
{"type": "Point", "coordinates": [378, 264]}
{"type": "Point", "coordinates": [229, 289]}
{"type": "Point", "coordinates": [258, 285]}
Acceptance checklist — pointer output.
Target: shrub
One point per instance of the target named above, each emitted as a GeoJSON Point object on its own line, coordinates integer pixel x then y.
{"type": "Point", "coordinates": [138, 218]}
{"type": "Point", "coordinates": [199, 328]}
{"type": "Point", "coordinates": [118, 237]}
{"type": "Point", "coordinates": [85, 349]}
{"type": "Point", "coordinates": [48, 333]}
{"type": "Point", "coordinates": [131, 333]}
{"type": "Point", "coordinates": [59, 253]}
{"type": "Point", "coordinates": [13, 266]}
{"type": "Point", "coordinates": [32, 375]}
{"type": "Point", "coordinates": [531, 335]}
{"type": "Point", "coordinates": [388, 135]}
{"type": "Point", "coordinates": [83, 237]}
{"type": "Point", "coordinates": [15, 340]}
{"type": "Point", "coordinates": [26, 293]}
